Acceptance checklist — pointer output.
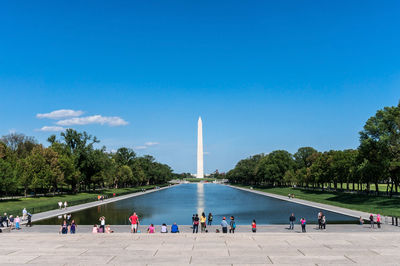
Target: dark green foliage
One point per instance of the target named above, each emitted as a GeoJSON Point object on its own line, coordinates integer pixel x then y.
{"type": "Point", "coordinates": [376, 161]}
{"type": "Point", "coordinates": [73, 164]}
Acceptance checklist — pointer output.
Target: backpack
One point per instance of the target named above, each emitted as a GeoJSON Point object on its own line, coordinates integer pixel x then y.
{"type": "Point", "coordinates": [234, 225]}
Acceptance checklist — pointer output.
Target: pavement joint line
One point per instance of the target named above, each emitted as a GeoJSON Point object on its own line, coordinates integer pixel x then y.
{"type": "Point", "coordinates": [301, 252]}
{"type": "Point", "coordinates": [350, 259]}
{"type": "Point", "coordinates": [229, 253]}
{"type": "Point", "coordinates": [373, 251]}
{"type": "Point", "coordinates": [325, 245]}
{"type": "Point", "coordinates": [27, 262]}
{"type": "Point", "coordinates": [83, 252]}
{"type": "Point", "coordinates": [270, 260]}
{"type": "Point", "coordinates": [155, 253]}
{"type": "Point", "coordinates": [13, 251]}
{"type": "Point", "coordinates": [190, 260]}
{"type": "Point", "coordinates": [193, 246]}
{"type": "Point", "coordinates": [287, 242]}
{"type": "Point", "coordinates": [112, 258]}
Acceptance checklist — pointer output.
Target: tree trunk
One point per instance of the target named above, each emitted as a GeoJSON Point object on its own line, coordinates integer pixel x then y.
{"type": "Point", "coordinates": [377, 188]}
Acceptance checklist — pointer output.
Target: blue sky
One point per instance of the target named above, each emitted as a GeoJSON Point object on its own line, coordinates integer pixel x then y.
{"type": "Point", "coordinates": [264, 75]}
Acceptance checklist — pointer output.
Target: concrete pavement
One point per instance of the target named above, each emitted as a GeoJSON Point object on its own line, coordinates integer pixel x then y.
{"type": "Point", "coordinates": [315, 248]}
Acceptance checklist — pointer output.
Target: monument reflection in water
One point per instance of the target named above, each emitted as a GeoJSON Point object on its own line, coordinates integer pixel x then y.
{"type": "Point", "coordinates": [179, 203]}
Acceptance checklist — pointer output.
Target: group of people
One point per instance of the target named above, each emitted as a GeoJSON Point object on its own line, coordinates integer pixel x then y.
{"type": "Point", "coordinates": [164, 229]}
{"type": "Point", "coordinates": [60, 205]}
{"type": "Point", "coordinates": [9, 221]}
{"type": "Point", "coordinates": [203, 221]}
{"type": "Point", "coordinates": [321, 221]}
{"type": "Point", "coordinates": [102, 228]}
{"type": "Point", "coordinates": [372, 221]}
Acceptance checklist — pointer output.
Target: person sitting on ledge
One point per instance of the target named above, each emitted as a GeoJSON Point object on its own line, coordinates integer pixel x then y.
{"type": "Point", "coordinates": [108, 229]}
{"type": "Point", "coordinates": [174, 228]}
{"type": "Point", "coordinates": [164, 229]}
{"type": "Point", "coordinates": [151, 229]}
{"type": "Point", "coordinates": [95, 229]}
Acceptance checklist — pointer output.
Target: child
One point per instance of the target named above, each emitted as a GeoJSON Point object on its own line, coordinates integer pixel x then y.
{"type": "Point", "coordinates": [95, 229]}
{"type": "Point", "coordinates": [17, 222]}
{"type": "Point", "coordinates": [254, 226]}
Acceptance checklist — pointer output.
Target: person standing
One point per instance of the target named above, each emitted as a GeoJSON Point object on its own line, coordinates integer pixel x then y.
{"type": "Point", "coordinates": [103, 224]}
{"type": "Point", "coordinates": [134, 219]}
{"type": "Point", "coordinates": [29, 223]}
{"type": "Point", "coordinates": [378, 220]}
{"type": "Point", "coordinates": [65, 205]}
{"type": "Point", "coordinates": [323, 222]}
{"type": "Point", "coordinates": [371, 220]}
{"type": "Point", "coordinates": [24, 213]}
{"type": "Point", "coordinates": [73, 227]}
{"type": "Point", "coordinates": [292, 219]}
{"type": "Point", "coordinates": [319, 220]}
{"type": "Point", "coordinates": [232, 225]}
{"type": "Point", "coordinates": [303, 225]}
{"type": "Point", "coordinates": [5, 219]}
{"type": "Point", "coordinates": [203, 220]}
{"type": "Point", "coordinates": [17, 223]}
{"type": "Point", "coordinates": [224, 226]}
{"type": "Point", "coordinates": [64, 228]}
{"type": "Point", "coordinates": [210, 218]}
{"type": "Point", "coordinates": [196, 224]}
{"type": "Point", "coordinates": [254, 226]}
{"type": "Point", "coordinates": [60, 204]}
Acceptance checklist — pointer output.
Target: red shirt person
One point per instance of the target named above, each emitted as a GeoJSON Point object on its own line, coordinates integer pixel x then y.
{"type": "Point", "coordinates": [134, 219]}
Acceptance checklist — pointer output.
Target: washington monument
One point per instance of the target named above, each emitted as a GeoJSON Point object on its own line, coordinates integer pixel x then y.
{"type": "Point", "coordinates": [200, 169]}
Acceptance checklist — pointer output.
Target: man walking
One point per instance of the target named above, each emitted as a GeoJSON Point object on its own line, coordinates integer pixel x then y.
{"type": "Point", "coordinates": [134, 219]}
{"type": "Point", "coordinates": [292, 219]}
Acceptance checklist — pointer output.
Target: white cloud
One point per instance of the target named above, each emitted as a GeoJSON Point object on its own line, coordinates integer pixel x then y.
{"type": "Point", "coordinates": [146, 145]}
{"type": "Point", "coordinates": [149, 144]}
{"type": "Point", "coordinates": [51, 128]}
{"type": "Point", "coordinates": [63, 113]}
{"type": "Point", "coordinates": [143, 147]}
{"type": "Point", "coordinates": [94, 119]}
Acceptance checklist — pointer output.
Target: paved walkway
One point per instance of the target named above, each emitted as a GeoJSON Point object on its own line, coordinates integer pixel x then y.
{"type": "Point", "coordinates": [332, 208]}
{"type": "Point", "coordinates": [201, 249]}
{"type": "Point", "coordinates": [45, 215]}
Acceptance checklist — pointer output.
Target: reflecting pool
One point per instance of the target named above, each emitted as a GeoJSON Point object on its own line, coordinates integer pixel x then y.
{"type": "Point", "coordinates": [179, 203]}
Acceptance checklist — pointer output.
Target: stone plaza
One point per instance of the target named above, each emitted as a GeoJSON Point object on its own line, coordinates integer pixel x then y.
{"type": "Point", "coordinates": [340, 244]}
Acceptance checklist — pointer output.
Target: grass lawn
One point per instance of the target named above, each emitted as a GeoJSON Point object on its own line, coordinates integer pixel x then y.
{"type": "Point", "coordinates": [41, 204]}
{"type": "Point", "coordinates": [360, 202]}
{"type": "Point", "coordinates": [199, 179]}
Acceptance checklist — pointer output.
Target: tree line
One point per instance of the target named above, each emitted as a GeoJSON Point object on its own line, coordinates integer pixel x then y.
{"type": "Point", "coordinates": [72, 162]}
{"type": "Point", "coordinates": [376, 161]}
